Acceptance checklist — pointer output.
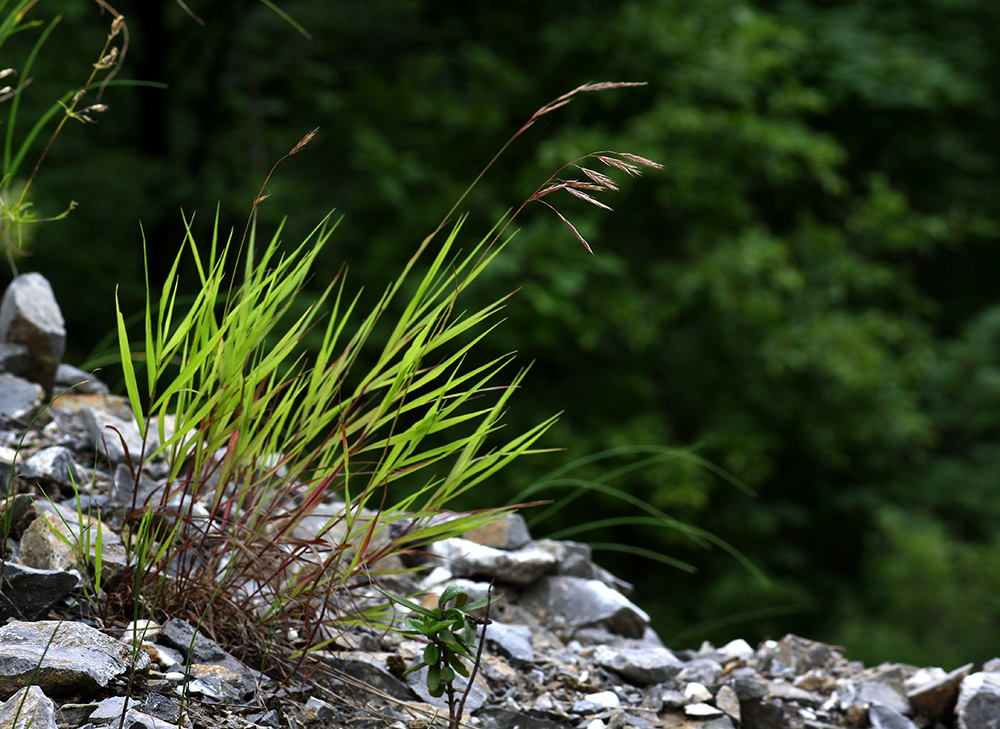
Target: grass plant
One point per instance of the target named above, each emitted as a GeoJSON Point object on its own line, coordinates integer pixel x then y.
{"type": "Point", "coordinates": [257, 436]}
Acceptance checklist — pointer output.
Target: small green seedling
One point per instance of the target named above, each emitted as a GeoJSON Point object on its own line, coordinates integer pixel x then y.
{"type": "Point", "coordinates": [451, 637]}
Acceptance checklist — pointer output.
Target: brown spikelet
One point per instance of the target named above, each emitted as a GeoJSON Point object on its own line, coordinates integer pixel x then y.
{"type": "Point", "coordinates": [600, 178]}
{"type": "Point", "coordinates": [581, 185]}
{"type": "Point", "coordinates": [303, 142]}
{"type": "Point", "coordinates": [620, 165]}
{"type": "Point", "coordinates": [571, 227]}
{"type": "Point", "coordinates": [640, 160]}
{"type": "Point", "coordinates": [584, 196]}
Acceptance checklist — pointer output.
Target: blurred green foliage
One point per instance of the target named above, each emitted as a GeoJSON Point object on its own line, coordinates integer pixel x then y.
{"type": "Point", "coordinates": [805, 294]}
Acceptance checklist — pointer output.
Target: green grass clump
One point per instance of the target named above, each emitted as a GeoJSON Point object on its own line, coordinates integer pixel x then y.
{"type": "Point", "coordinates": [264, 440]}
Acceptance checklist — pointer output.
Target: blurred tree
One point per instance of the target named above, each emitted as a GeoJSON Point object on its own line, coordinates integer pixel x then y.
{"type": "Point", "coordinates": [781, 296]}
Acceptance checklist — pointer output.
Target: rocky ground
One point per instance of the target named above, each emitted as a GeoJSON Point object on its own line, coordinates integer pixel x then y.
{"type": "Point", "coordinates": [565, 647]}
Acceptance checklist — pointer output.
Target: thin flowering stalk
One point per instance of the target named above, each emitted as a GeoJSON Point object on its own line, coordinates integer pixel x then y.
{"type": "Point", "coordinates": [110, 59]}
{"type": "Point", "coordinates": [550, 107]}
{"type": "Point", "coordinates": [595, 181]}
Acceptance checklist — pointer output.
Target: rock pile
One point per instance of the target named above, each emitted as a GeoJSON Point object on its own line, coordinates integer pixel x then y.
{"type": "Point", "coordinates": [565, 646]}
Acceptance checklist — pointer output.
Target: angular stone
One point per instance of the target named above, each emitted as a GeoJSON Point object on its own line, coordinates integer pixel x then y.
{"type": "Point", "coordinates": [793, 655]}
{"type": "Point", "coordinates": [874, 693]}
{"type": "Point", "coordinates": [181, 636]}
{"type": "Point", "coordinates": [702, 670]}
{"type": "Point", "coordinates": [29, 315]}
{"type": "Point", "coordinates": [138, 720]}
{"type": "Point", "coordinates": [55, 464]}
{"type": "Point", "coordinates": [20, 400]}
{"type": "Point", "coordinates": [476, 698]}
{"type": "Point", "coordinates": [66, 535]}
{"type": "Point", "coordinates": [511, 641]}
{"type": "Point", "coordinates": [573, 602]}
{"type": "Point", "coordinates": [882, 717]}
{"type": "Point", "coordinates": [936, 698]}
{"type": "Point", "coordinates": [509, 531]}
{"type": "Point", "coordinates": [596, 702]}
{"type": "Point", "coordinates": [727, 700]}
{"type": "Point", "coordinates": [111, 709]}
{"type": "Point", "coordinates": [978, 704]}
{"type": "Point", "coordinates": [14, 359]}
{"type": "Point", "coordinates": [218, 683]}
{"type": "Point", "coordinates": [519, 567]}
{"type": "Point", "coordinates": [44, 544]}
{"type": "Point", "coordinates": [29, 594]}
{"type": "Point", "coordinates": [72, 378]}
{"type": "Point", "coordinates": [115, 436]}
{"type": "Point", "coordinates": [162, 707]}
{"type": "Point", "coordinates": [642, 666]}
{"type": "Point", "coordinates": [696, 693]}
{"type": "Point", "coordinates": [316, 710]}
{"type": "Point", "coordinates": [498, 718]}
{"type": "Point", "coordinates": [62, 657]}
{"type": "Point", "coordinates": [15, 512]}
{"type": "Point", "coordinates": [575, 560]}
{"type": "Point", "coordinates": [31, 709]}
{"type": "Point", "coordinates": [736, 649]}
{"type": "Point", "coordinates": [373, 671]}
{"type": "Point", "coordinates": [787, 692]}
{"type": "Point", "coordinates": [703, 710]}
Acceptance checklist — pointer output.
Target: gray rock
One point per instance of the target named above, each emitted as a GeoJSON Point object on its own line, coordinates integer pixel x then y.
{"type": "Point", "coordinates": [62, 657]}
{"type": "Point", "coordinates": [270, 718]}
{"type": "Point", "coordinates": [72, 378]}
{"type": "Point", "coordinates": [162, 707]}
{"type": "Point", "coordinates": [46, 543]}
{"type": "Point", "coordinates": [137, 720]}
{"type": "Point", "coordinates": [497, 718]}
{"type": "Point", "coordinates": [736, 650]}
{"type": "Point", "coordinates": [219, 683]}
{"type": "Point", "coordinates": [573, 602]}
{"type": "Point", "coordinates": [53, 464]}
{"type": "Point", "coordinates": [372, 671]}
{"type": "Point", "coordinates": [792, 656]}
{"type": "Point", "coordinates": [882, 717]}
{"type": "Point", "coordinates": [509, 531]}
{"type": "Point", "coordinates": [480, 692]}
{"type": "Point", "coordinates": [936, 698]}
{"type": "Point", "coordinates": [316, 710]}
{"type": "Point", "coordinates": [195, 647]}
{"type": "Point", "coordinates": [978, 704]}
{"type": "Point", "coordinates": [511, 641]}
{"type": "Point", "coordinates": [29, 594]}
{"type": "Point", "coordinates": [66, 535]}
{"type": "Point", "coordinates": [874, 693]}
{"type": "Point", "coordinates": [575, 561]}
{"type": "Point", "coordinates": [596, 702]}
{"type": "Point", "coordinates": [14, 512]}
{"type": "Point", "coordinates": [727, 700]}
{"type": "Point", "coordinates": [519, 567]}
{"type": "Point", "coordinates": [74, 715]}
{"type": "Point", "coordinates": [787, 692]}
{"type": "Point", "coordinates": [29, 315]}
{"type": "Point", "coordinates": [20, 400]}
{"type": "Point", "coordinates": [111, 709]}
{"type": "Point", "coordinates": [14, 359]}
{"type": "Point", "coordinates": [114, 435]}
{"type": "Point", "coordinates": [702, 670]}
{"type": "Point", "coordinates": [29, 708]}
{"type": "Point", "coordinates": [641, 666]}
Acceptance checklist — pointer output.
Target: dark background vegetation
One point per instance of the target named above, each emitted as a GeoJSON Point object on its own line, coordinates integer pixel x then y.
{"type": "Point", "coordinates": [806, 295]}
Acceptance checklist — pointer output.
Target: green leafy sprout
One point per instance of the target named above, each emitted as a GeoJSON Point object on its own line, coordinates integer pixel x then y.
{"type": "Point", "coordinates": [450, 632]}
